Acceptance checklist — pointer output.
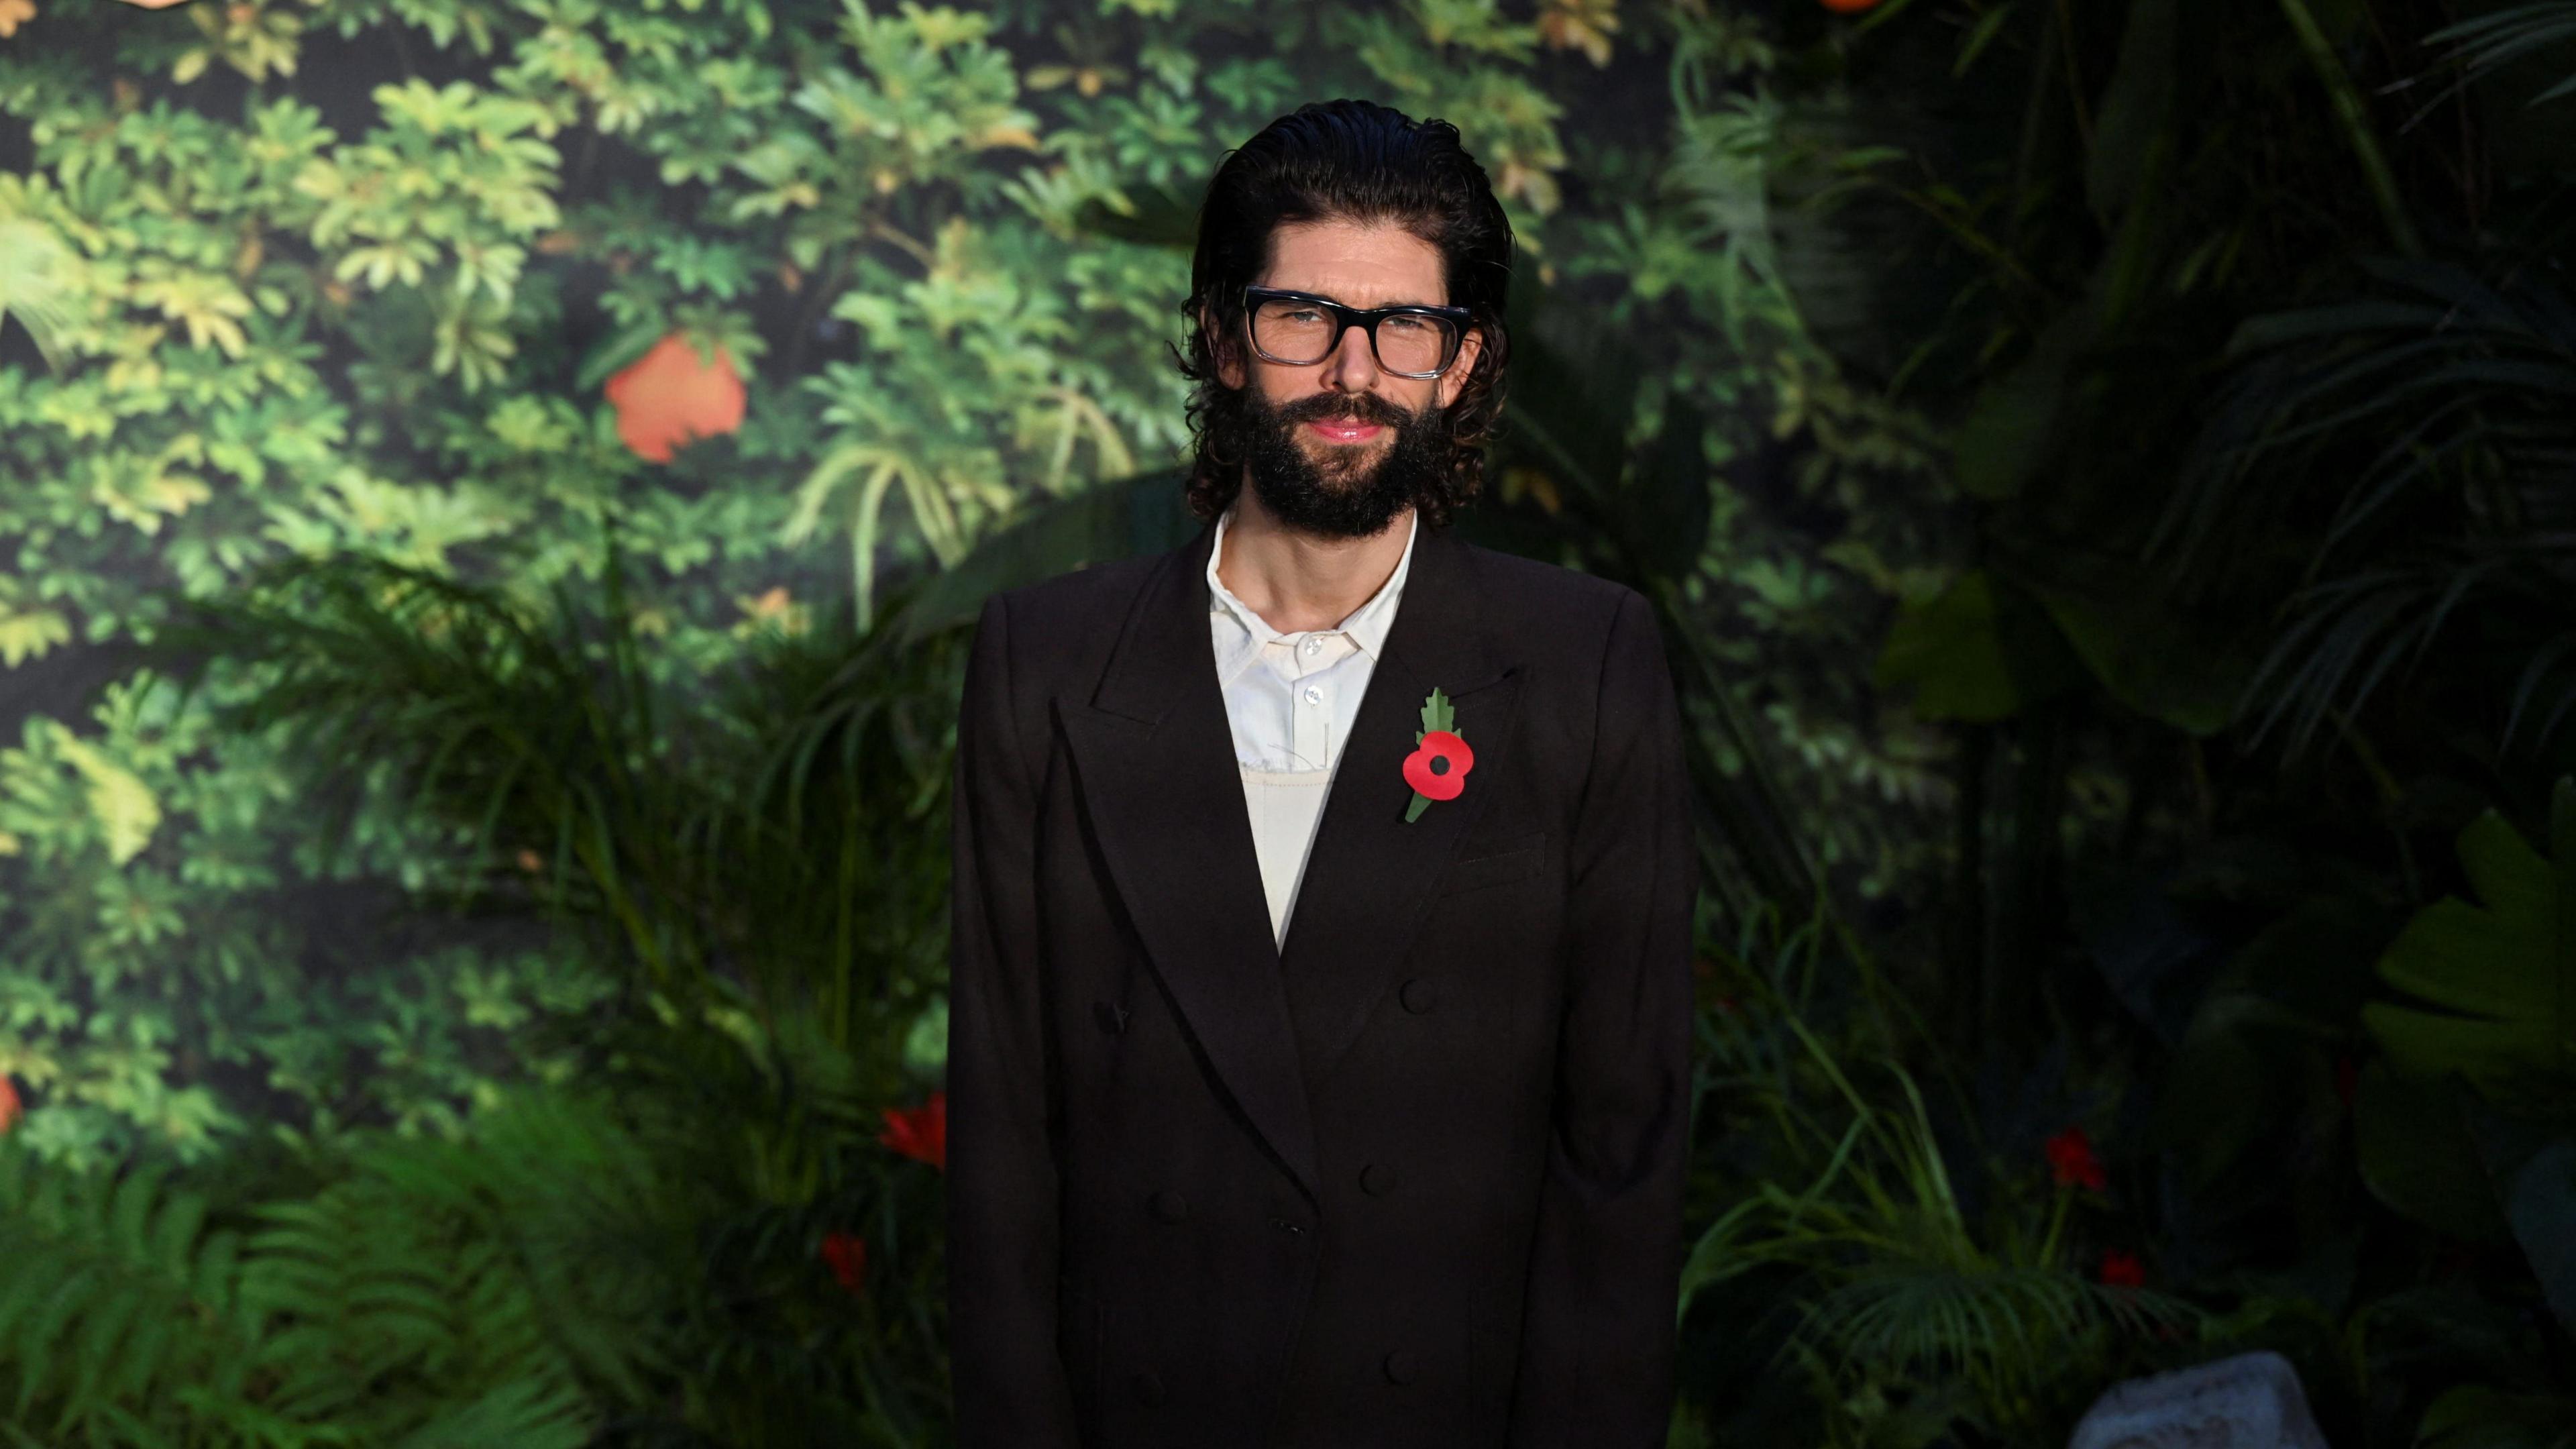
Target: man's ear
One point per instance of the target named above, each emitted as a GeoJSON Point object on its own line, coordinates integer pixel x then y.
{"type": "Point", "coordinates": [1454, 380]}
{"type": "Point", "coordinates": [1228, 358]}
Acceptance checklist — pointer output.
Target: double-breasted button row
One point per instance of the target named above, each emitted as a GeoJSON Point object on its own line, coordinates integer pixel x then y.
{"type": "Point", "coordinates": [1377, 1179]}
{"type": "Point", "coordinates": [1399, 1367]}
{"type": "Point", "coordinates": [1419, 996]}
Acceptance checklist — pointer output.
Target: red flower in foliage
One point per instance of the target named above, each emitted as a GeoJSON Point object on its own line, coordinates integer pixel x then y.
{"type": "Point", "coordinates": [922, 1133]}
{"type": "Point", "coordinates": [10, 1109]}
{"type": "Point", "coordinates": [848, 1255]}
{"type": "Point", "coordinates": [2071, 1160]}
{"type": "Point", "coordinates": [2122, 1269]}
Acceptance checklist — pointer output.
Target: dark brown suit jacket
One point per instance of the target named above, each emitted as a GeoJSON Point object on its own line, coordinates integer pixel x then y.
{"type": "Point", "coordinates": [1413, 1181]}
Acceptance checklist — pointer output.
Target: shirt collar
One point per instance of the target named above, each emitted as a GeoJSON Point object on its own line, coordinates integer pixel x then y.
{"type": "Point", "coordinates": [1367, 625]}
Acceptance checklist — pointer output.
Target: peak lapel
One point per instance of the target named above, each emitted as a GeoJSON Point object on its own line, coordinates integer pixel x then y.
{"type": "Point", "coordinates": [1370, 873]}
{"type": "Point", "coordinates": [1153, 754]}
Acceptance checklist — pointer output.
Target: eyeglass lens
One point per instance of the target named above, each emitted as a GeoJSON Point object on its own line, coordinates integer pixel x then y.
{"type": "Point", "coordinates": [1299, 333]}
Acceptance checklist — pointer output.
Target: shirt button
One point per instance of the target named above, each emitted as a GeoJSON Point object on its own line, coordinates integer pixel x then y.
{"type": "Point", "coordinates": [1314, 646]}
{"type": "Point", "coordinates": [1314, 695]}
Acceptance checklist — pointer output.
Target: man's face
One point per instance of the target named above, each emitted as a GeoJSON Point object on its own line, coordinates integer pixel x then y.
{"type": "Point", "coordinates": [1340, 481]}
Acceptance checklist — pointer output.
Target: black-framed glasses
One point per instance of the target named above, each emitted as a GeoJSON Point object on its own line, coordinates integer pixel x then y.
{"type": "Point", "coordinates": [1299, 329]}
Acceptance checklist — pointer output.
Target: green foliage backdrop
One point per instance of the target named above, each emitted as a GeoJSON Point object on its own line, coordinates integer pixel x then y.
{"type": "Point", "coordinates": [312, 278]}
{"type": "Point", "coordinates": [491, 489]}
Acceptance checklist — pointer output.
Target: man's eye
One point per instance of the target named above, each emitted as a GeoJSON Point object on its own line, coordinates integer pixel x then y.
{"type": "Point", "coordinates": [1407, 324]}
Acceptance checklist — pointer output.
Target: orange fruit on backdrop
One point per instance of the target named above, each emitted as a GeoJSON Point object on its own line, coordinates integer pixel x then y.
{"type": "Point", "coordinates": [670, 397]}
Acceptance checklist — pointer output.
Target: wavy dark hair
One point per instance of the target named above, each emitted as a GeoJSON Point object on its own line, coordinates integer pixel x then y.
{"type": "Point", "coordinates": [1354, 161]}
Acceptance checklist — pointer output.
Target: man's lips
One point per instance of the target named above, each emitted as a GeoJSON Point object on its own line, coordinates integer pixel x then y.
{"type": "Point", "coordinates": [1345, 433]}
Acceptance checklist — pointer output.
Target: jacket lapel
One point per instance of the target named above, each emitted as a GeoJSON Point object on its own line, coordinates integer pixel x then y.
{"type": "Point", "coordinates": [1154, 758]}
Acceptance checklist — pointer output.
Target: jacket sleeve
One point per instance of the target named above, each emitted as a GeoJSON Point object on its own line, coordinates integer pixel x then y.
{"type": "Point", "coordinates": [1597, 1325]}
{"type": "Point", "coordinates": [1008, 1383]}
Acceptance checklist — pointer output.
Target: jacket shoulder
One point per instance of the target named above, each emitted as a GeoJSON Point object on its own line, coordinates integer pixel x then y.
{"type": "Point", "coordinates": [1061, 627]}
{"type": "Point", "coordinates": [1532, 599]}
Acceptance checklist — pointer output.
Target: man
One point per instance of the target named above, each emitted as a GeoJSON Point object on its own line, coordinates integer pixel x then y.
{"type": "Point", "coordinates": [1318, 1072]}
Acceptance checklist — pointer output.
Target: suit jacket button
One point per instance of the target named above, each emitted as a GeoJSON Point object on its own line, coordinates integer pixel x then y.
{"type": "Point", "coordinates": [1112, 1017]}
{"type": "Point", "coordinates": [1377, 1179]}
{"type": "Point", "coordinates": [1170, 1206]}
{"type": "Point", "coordinates": [1399, 1367]}
{"type": "Point", "coordinates": [1149, 1389]}
{"type": "Point", "coordinates": [1420, 996]}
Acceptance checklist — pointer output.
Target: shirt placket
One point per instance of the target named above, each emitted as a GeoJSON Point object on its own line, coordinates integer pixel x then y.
{"type": "Point", "coordinates": [1314, 658]}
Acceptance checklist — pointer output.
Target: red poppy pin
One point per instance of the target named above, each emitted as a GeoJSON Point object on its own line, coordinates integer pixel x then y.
{"type": "Point", "coordinates": [1437, 768]}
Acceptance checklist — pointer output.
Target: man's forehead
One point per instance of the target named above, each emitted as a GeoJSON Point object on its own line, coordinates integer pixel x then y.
{"type": "Point", "coordinates": [1356, 266]}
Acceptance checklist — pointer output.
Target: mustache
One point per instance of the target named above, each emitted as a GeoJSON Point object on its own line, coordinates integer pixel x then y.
{"type": "Point", "coordinates": [1346, 409]}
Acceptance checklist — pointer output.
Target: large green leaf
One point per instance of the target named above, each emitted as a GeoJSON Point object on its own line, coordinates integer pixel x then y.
{"type": "Point", "coordinates": [2474, 1416]}
{"type": "Point", "coordinates": [2018, 420]}
{"type": "Point", "coordinates": [1979, 650]}
{"type": "Point", "coordinates": [2134, 109]}
{"type": "Point", "coordinates": [2496, 981]}
{"type": "Point", "coordinates": [2144, 652]}
{"type": "Point", "coordinates": [2223, 1089]}
{"type": "Point", "coordinates": [1113, 520]}
{"type": "Point", "coordinates": [2416, 1154]}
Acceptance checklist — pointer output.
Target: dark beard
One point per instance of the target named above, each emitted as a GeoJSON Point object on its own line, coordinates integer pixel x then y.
{"type": "Point", "coordinates": [1345, 505]}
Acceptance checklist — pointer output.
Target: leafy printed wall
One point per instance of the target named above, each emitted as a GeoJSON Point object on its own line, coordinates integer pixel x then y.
{"type": "Point", "coordinates": [802, 296]}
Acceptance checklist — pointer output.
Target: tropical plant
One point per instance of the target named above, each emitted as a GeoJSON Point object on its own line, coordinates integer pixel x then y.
{"type": "Point", "coordinates": [542, 1279]}
{"type": "Point", "coordinates": [1920, 1305]}
{"type": "Point", "coordinates": [430, 1292]}
{"type": "Point", "coordinates": [595, 792]}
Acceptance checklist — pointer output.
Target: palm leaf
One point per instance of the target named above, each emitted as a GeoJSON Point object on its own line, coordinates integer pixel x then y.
{"type": "Point", "coordinates": [2482, 44]}
{"type": "Point", "coordinates": [2433, 425]}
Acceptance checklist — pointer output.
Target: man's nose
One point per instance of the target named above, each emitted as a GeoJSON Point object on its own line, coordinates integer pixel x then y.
{"type": "Point", "coordinates": [1354, 358]}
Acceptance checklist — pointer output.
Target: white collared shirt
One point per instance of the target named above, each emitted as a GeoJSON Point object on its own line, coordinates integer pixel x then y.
{"type": "Point", "coordinates": [1290, 700]}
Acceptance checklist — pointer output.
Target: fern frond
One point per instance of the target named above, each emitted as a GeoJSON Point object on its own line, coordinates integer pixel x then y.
{"type": "Point", "coordinates": [112, 1294]}
{"type": "Point", "coordinates": [2004, 1327]}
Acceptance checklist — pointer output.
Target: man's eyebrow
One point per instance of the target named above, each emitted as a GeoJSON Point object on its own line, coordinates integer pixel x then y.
{"type": "Point", "coordinates": [1327, 296]}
